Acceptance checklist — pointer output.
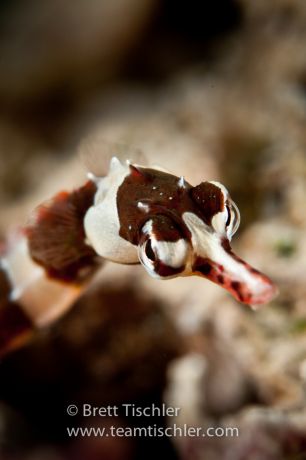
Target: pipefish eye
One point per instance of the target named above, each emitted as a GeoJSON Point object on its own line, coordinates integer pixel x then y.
{"type": "Point", "coordinates": [218, 208]}
{"type": "Point", "coordinates": [228, 220]}
{"type": "Point", "coordinates": [163, 251]}
{"type": "Point", "coordinates": [233, 219]}
{"type": "Point", "coordinates": [148, 250]}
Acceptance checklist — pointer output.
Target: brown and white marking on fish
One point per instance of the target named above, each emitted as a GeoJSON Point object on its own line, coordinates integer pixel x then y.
{"type": "Point", "coordinates": [45, 266]}
{"type": "Point", "coordinates": [133, 214]}
{"type": "Point", "coordinates": [172, 228]}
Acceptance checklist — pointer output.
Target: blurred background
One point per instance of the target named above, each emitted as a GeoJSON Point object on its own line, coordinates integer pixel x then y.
{"type": "Point", "coordinates": [212, 90]}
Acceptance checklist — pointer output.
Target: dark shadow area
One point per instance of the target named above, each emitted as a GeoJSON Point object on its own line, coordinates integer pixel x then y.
{"type": "Point", "coordinates": [89, 358]}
